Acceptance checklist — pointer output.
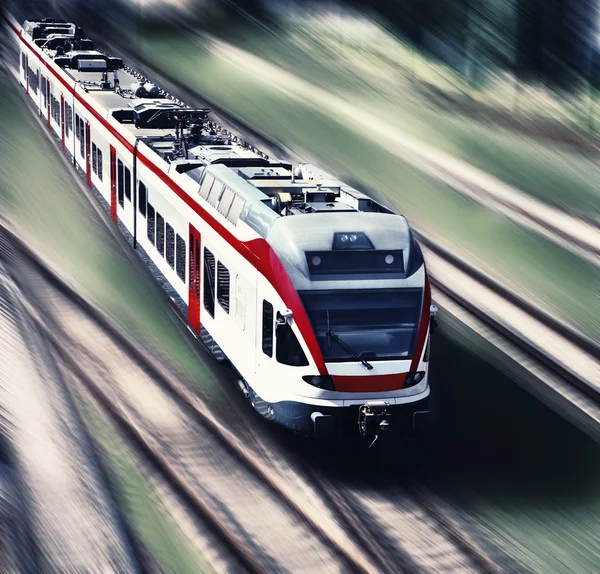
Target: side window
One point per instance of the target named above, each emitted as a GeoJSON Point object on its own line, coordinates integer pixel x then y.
{"type": "Point", "coordinates": [94, 159]}
{"type": "Point", "coordinates": [226, 200]}
{"type": "Point", "coordinates": [289, 352]}
{"type": "Point", "coordinates": [143, 194]}
{"type": "Point", "coordinates": [170, 246]}
{"type": "Point", "coordinates": [207, 182]}
{"type": "Point", "coordinates": [240, 304]}
{"type": "Point", "coordinates": [68, 118]}
{"type": "Point", "coordinates": [99, 152]}
{"type": "Point", "coordinates": [209, 282]}
{"type": "Point", "coordinates": [121, 188]}
{"type": "Point", "coordinates": [236, 209]}
{"type": "Point", "coordinates": [223, 286]}
{"type": "Point", "coordinates": [215, 193]}
{"type": "Point", "coordinates": [160, 234]}
{"type": "Point", "coordinates": [128, 184]}
{"type": "Point", "coordinates": [81, 138]}
{"type": "Point", "coordinates": [77, 132]}
{"type": "Point", "coordinates": [180, 257]}
{"type": "Point", "coordinates": [150, 223]}
{"type": "Point", "coordinates": [267, 328]}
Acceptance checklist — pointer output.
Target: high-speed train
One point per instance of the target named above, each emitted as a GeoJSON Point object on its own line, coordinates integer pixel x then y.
{"type": "Point", "coordinates": [316, 294]}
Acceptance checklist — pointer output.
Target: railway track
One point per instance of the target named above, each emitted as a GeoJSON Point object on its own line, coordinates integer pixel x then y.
{"type": "Point", "coordinates": [336, 520]}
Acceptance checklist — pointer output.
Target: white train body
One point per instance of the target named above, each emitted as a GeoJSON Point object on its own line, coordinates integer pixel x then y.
{"type": "Point", "coordinates": [316, 294]}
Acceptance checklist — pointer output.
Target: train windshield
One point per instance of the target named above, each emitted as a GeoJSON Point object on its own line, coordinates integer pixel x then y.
{"type": "Point", "coordinates": [375, 324]}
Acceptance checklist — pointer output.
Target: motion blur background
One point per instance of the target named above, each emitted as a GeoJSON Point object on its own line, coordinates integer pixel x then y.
{"type": "Point", "coordinates": [503, 95]}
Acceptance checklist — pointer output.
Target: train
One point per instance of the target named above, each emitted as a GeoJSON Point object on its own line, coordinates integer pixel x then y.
{"type": "Point", "coordinates": [316, 294]}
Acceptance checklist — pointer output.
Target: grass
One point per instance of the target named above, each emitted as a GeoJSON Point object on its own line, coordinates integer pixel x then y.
{"type": "Point", "coordinates": [45, 205]}
{"type": "Point", "coordinates": [365, 64]}
{"type": "Point", "coordinates": [549, 274]}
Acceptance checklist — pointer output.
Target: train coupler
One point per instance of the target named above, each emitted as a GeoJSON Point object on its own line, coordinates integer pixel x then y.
{"type": "Point", "coordinates": [374, 419]}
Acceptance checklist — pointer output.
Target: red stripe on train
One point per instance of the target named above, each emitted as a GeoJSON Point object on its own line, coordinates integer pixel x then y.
{"type": "Point", "coordinates": [368, 383]}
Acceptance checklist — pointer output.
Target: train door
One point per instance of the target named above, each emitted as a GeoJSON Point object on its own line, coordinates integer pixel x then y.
{"type": "Point", "coordinates": [88, 155]}
{"type": "Point", "coordinates": [194, 280]}
{"type": "Point", "coordinates": [62, 120]}
{"type": "Point", "coordinates": [113, 183]}
{"type": "Point", "coordinates": [48, 102]}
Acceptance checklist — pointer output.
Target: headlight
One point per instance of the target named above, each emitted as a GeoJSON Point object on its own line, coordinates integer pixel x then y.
{"type": "Point", "coordinates": [413, 379]}
{"type": "Point", "coordinates": [320, 381]}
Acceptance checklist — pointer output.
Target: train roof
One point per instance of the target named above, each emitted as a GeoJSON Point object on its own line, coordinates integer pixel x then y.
{"type": "Point", "coordinates": [299, 210]}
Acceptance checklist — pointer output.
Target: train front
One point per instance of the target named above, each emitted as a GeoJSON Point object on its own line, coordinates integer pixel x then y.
{"type": "Point", "coordinates": [367, 323]}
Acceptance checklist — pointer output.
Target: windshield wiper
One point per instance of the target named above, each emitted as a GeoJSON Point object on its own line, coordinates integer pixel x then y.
{"type": "Point", "coordinates": [347, 347]}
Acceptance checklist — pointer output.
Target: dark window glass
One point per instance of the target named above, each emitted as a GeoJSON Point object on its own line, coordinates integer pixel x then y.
{"type": "Point", "coordinates": [180, 259]}
{"type": "Point", "coordinates": [196, 266]}
{"type": "Point", "coordinates": [160, 234]}
{"type": "Point", "coordinates": [267, 328]}
{"type": "Point", "coordinates": [142, 199]}
{"type": "Point", "coordinates": [121, 188]}
{"type": "Point", "coordinates": [94, 159]}
{"type": "Point", "coordinates": [150, 224]}
{"type": "Point", "coordinates": [223, 286]}
{"type": "Point", "coordinates": [77, 131]}
{"type": "Point", "coordinates": [191, 262]}
{"type": "Point", "coordinates": [128, 184]}
{"type": "Point", "coordinates": [288, 350]}
{"type": "Point", "coordinates": [99, 152]}
{"type": "Point", "coordinates": [209, 282]}
{"type": "Point", "coordinates": [377, 324]}
{"type": "Point", "coordinates": [82, 138]}
{"type": "Point", "coordinates": [170, 246]}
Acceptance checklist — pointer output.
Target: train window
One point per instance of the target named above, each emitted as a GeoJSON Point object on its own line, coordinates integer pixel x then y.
{"type": "Point", "coordinates": [226, 200]}
{"type": "Point", "coordinates": [143, 194]}
{"type": "Point", "coordinates": [94, 159]}
{"type": "Point", "coordinates": [240, 304]}
{"type": "Point", "coordinates": [267, 328]}
{"type": "Point", "coordinates": [170, 246]}
{"type": "Point", "coordinates": [99, 162]}
{"type": "Point", "coordinates": [23, 66]}
{"type": "Point", "coordinates": [67, 122]}
{"type": "Point", "coordinates": [128, 184]}
{"type": "Point", "coordinates": [160, 234]}
{"type": "Point", "coordinates": [150, 224]}
{"type": "Point", "coordinates": [223, 286]}
{"type": "Point", "coordinates": [121, 188]}
{"type": "Point", "coordinates": [44, 89]}
{"type": "Point", "coordinates": [206, 185]}
{"type": "Point", "coordinates": [215, 193]}
{"type": "Point", "coordinates": [81, 138]}
{"type": "Point", "coordinates": [196, 243]}
{"type": "Point", "coordinates": [236, 209]}
{"type": "Point", "coordinates": [180, 257]}
{"type": "Point", "coordinates": [209, 282]}
{"type": "Point", "coordinates": [288, 350]}
{"type": "Point", "coordinates": [77, 132]}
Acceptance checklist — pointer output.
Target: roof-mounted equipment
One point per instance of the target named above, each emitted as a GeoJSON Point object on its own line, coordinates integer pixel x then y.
{"type": "Point", "coordinates": [77, 61]}
{"type": "Point", "coordinates": [145, 90]}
